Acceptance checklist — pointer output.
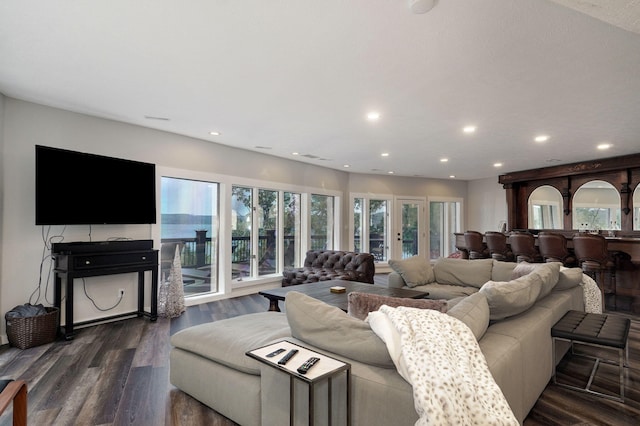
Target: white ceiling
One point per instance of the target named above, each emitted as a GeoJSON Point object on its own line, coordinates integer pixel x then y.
{"type": "Point", "coordinates": [300, 75]}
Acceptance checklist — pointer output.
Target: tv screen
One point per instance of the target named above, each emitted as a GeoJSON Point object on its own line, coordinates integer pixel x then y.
{"type": "Point", "coordinates": [75, 188]}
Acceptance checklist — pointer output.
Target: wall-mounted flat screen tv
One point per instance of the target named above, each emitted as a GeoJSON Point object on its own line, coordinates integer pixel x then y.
{"type": "Point", "coordinates": [76, 188]}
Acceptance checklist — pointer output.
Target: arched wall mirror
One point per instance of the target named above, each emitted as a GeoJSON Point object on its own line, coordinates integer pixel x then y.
{"type": "Point", "coordinates": [636, 209]}
{"type": "Point", "coordinates": [545, 207]}
{"type": "Point", "coordinates": [596, 206]}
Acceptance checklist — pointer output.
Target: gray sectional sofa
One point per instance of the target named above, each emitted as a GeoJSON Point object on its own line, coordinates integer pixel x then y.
{"type": "Point", "coordinates": [510, 315]}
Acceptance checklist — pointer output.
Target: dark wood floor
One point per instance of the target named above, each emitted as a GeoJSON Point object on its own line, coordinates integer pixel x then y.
{"type": "Point", "coordinates": [118, 374]}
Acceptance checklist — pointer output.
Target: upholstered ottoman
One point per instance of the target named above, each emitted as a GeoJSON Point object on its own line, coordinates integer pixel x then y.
{"type": "Point", "coordinates": [598, 330]}
{"type": "Point", "coordinates": [208, 362]}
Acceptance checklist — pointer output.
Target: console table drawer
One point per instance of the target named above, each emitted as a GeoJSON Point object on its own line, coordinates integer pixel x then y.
{"type": "Point", "coordinates": [114, 259]}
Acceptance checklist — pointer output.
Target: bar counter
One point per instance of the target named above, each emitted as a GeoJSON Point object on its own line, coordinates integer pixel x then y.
{"type": "Point", "coordinates": [627, 273]}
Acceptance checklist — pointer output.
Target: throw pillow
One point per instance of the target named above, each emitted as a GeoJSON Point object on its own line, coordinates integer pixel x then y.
{"type": "Point", "coordinates": [523, 268]}
{"type": "Point", "coordinates": [501, 271]}
{"type": "Point", "coordinates": [360, 304]}
{"type": "Point", "coordinates": [512, 297]}
{"type": "Point", "coordinates": [415, 270]}
{"type": "Point", "coordinates": [569, 278]}
{"type": "Point", "coordinates": [328, 327]}
{"type": "Point", "coordinates": [548, 272]}
{"type": "Point", "coordinates": [474, 312]}
{"type": "Point", "coordinates": [463, 272]}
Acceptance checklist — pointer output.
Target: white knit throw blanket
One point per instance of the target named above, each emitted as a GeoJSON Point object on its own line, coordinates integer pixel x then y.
{"type": "Point", "coordinates": [591, 294]}
{"type": "Point", "coordinates": [451, 381]}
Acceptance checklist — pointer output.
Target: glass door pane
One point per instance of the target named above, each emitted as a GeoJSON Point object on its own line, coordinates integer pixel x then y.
{"type": "Point", "coordinates": [241, 225]}
{"type": "Point", "coordinates": [292, 229]}
{"type": "Point", "coordinates": [188, 222]}
{"type": "Point", "coordinates": [410, 227]}
{"type": "Point", "coordinates": [267, 222]}
{"type": "Point", "coordinates": [378, 228]}
{"type": "Point", "coordinates": [358, 224]}
{"type": "Point", "coordinates": [322, 214]}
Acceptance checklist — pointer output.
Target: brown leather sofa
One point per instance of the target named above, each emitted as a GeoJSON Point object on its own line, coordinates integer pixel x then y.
{"type": "Point", "coordinates": [323, 265]}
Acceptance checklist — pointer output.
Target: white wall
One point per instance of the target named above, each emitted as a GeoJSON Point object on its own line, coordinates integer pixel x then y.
{"type": "Point", "coordinates": [486, 205]}
{"type": "Point", "coordinates": [2, 179]}
{"type": "Point", "coordinates": [22, 248]}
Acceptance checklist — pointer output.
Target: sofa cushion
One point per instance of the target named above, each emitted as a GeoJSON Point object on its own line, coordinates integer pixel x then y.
{"type": "Point", "coordinates": [512, 297]}
{"type": "Point", "coordinates": [329, 328]}
{"type": "Point", "coordinates": [474, 312]}
{"type": "Point", "coordinates": [569, 278]}
{"type": "Point", "coordinates": [463, 272]}
{"type": "Point", "coordinates": [415, 270]}
{"type": "Point", "coordinates": [360, 304]}
{"type": "Point", "coordinates": [446, 291]}
{"type": "Point", "coordinates": [548, 272]}
{"type": "Point", "coordinates": [227, 341]}
{"type": "Point", "coordinates": [501, 271]}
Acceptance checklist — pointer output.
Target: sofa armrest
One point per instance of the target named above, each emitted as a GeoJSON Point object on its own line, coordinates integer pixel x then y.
{"type": "Point", "coordinates": [396, 280]}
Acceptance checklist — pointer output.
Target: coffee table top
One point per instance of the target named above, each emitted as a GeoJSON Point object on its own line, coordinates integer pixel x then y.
{"type": "Point", "coordinates": [320, 290]}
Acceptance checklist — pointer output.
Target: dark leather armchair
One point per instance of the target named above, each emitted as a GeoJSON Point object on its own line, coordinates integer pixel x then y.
{"type": "Point", "coordinates": [323, 265]}
{"type": "Point", "coordinates": [475, 245]}
{"type": "Point", "coordinates": [553, 248]}
{"type": "Point", "coordinates": [595, 259]}
{"type": "Point", "coordinates": [523, 245]}
{"type": "Point", "coordinates": [498, 247]}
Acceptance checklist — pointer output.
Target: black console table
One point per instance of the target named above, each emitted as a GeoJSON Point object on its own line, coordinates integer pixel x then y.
{"type": "Point", "coordinates": [80, 260]}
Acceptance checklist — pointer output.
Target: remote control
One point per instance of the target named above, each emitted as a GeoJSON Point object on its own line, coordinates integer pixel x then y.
{"type": "Point", "coordinates": [307, 365]}
{"type": "Point", "coordinates": [274, 353]}
{"type": "Point", "coordinates": [287, 357]}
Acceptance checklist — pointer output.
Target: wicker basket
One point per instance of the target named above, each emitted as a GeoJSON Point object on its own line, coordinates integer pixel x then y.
{"type": "Point", "coordinates": [33, 331]}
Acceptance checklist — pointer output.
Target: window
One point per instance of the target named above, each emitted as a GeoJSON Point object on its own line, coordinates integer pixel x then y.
{"type": "Point", "coordinates": [444, 221]}
{"type": "Point", "coordinates": [371, 226]}
{"type": "Point", "coordinates": [267, 209]}
{"type": "Point", "coordinates": [596, 206]}
{"type": "Point", "coordinates": [188, 222]}
{"type": "Point", "coordinates": [358, 225]}
{"type": "Point", "coordinates": [322, 216]}
{"type": "Point", "coordinates": [545, 204]}
{"type": "Point", "coordinates": [292, 229]}
{"type": "Point", "coordinates": [241, 226]}
{"type": "Point", "coordinates": [378, 229]}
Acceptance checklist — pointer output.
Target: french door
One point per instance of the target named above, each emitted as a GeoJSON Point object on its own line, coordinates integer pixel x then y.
{"type": "Point", "coordinates": [409, 228]}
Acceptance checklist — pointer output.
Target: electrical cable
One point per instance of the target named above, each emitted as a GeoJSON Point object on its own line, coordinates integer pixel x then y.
{"type": "Point", "coordinates": [84, 286]}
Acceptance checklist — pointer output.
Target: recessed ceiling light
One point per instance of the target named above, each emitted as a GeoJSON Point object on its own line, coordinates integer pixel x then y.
{"type": "Point", "coordinates": [604, 146]}
{"type": "Point", "coordinates": [384, 154]}
{"type": "Point", "coordinates": [390, 172]}
{"type": "Point", "coordinates": [214, 133]}
{"type": "Point", "coordinates": [346, 166]}
{"type": "Point", "coordinates": [373, 116]}
{"type": "Point", "coordinates": [444, 160]}
{"type": "Point", "coordinates": [469, 129]}
{"type": "Point", "coordinates": [541, 138]}
{"type": "Point", "coordinates": [452, 176]}
{"type": "Point", "coordinates": [295, 153]}
{"type": "Point", "coordinates": [497, 164]}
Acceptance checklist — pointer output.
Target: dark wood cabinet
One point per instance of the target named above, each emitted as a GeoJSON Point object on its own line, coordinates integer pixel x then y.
{"type": "Point", "coordinates": [80, 260]}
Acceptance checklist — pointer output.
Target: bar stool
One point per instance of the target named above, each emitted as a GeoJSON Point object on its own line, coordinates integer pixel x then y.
{"type": "Point", "coordinates": [475, 246]}
{"type": "Point", "coordinates": [523, 245]}
{"type": "Point", "coordinates": [553, 248]}
{"type": "Point", "coordinates": [595, 259]}
{"type": "Point", "coordinates": [498, 247]}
